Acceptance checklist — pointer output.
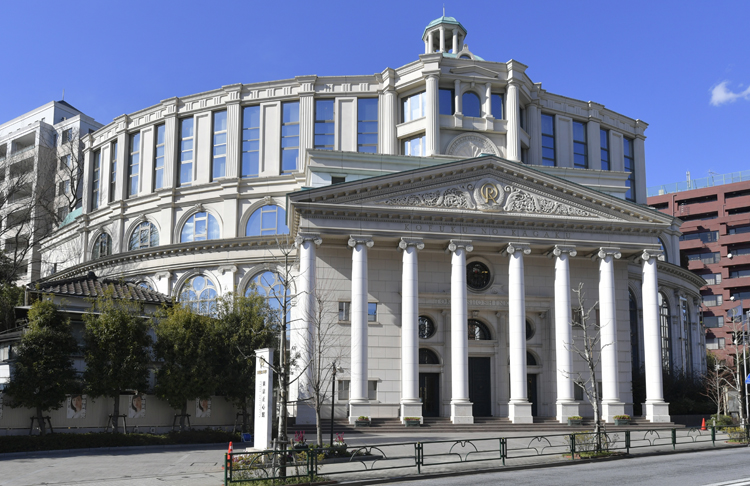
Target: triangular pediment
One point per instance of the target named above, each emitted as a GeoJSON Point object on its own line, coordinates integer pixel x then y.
{"type": "Point", "coordinates": [485, 187]}
{"type": "Point", "coordinates": [474, 71]}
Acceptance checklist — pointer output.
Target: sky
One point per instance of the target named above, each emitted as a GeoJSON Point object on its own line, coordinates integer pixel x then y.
{"type": "Point", "coordinates": [681, 66]}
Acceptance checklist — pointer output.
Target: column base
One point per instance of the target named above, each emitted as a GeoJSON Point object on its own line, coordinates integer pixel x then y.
{"type": "Point", "coordinates": [411, 408]}
{"type": "Point", "coordinates": [520, 412]}
{"type": "Point", "coordinates": [357, 410]}
{"type": "Point", "coordinates": [657, 411]}
{"type": "Point", "coordinates": [567, 409]}
{"type": "Point", "coordinates": [305, 413]}
{"type": "Point", "coordinates": [462, 412]}
{"type": "Point", "coordinates": [610, 409]}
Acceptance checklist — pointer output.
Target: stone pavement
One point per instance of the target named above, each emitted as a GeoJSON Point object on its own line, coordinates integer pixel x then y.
{"type": "Point", "coordinates": [202, 465]}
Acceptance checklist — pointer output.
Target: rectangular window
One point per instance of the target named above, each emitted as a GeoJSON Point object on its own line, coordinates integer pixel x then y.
{"type": "Point", "coordinates": [522, 114]}
{"type": "Point", "coordinates": [186, 151]}
{"type": "Point", "coordinates": [372, 312]}
{"type": "Point", "coordinates": [604, 144]}
{"type": "Point", "coordinates": [251, 141]}
{"type": "Point", "coordinates": [289, 136]}
{"type": "Point", "coordinates": [712, 300]}
{"type": "Point", "coordinates": [712, 278]}
{"type": "Point", "coordinates": [96, 178]}
{"type": "Point", "coordinates": [627, 149]}
{"type": "Point", "coordinates": [344, 311]}
{"type": "Point", "coordinates": [738, 230]}
{"type": "Point", "coordinates": [159, 161]}
{"type": "Point", "coordinates": [113, 172]}
{"type": "Point", "coordinates": [62, 213]}
{"type": "Point", "coordinates": [343, 389]}
{"type": "Point", "coordinates": [67, 135]}
{"type": "Point", "coordinates": [715, 343]}
{"type": "Point", "coordinates": [338, 179]}
{"type": "Point", "coordinates": [219, 156]}
{"type": "Point", "coordinates": [372, 390]}
{"type": "Point", "coordinates": [548, 140]}
{"type": "Point", "coordinates": [413, 107]}
{"type": "Point", "coordinates": [713, 321]}
{"type": "Point", "coordinates": [63, 187]}
{"type": "Point", "coordinates": [580, 150]}
{"type": "Point", "coordinates": [414, 145]}
{"type": "Point", "coordinates": [324, 125]}
{"type": "Point", "coordinates": [496, 100]}
{"type": "Point", "coordinates": [704, 236]}
{"type": "Point", "coordinates": [65, 162]}
{"type": "Point", "coordinates": [134, 164]}
{"type": "Point", "coordinates": [739, 251]}
{"type": "Point", "coordinates": [577, 392]}
{"type": "Point", "coordinates": [367, 125]}
{"type": "Point", "coordinates": [707, 258]}
{"type": "Point", "coordinates": [447, 102]}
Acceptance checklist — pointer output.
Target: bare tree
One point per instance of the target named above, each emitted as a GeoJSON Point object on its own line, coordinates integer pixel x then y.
{"type": "Point", "coordinates": [713, 383]}
{"type": "Point", "coordinates": [590, 351]}
{"type": "Point", "coordinates": [730, 372]}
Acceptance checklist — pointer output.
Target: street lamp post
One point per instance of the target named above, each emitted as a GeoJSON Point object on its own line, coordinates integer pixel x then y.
{"type": "Point", "coordinates": [333, 399]}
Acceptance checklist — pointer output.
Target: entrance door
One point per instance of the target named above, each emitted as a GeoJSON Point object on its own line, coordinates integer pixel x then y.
{"type": "Point", "coordinates": [531, 390]}
{"type": "Point", "coordinates": [480, 392]}
{"type": "Point", "coordinates": [429, 392]}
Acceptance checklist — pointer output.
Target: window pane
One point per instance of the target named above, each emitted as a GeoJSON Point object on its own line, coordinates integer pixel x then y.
{"type": "Point", "coordinates": [291, 112]}
{"type": "Point", "coordinates": [579, 132]}
{"type": "Point", "coordinates": [187, 127]}
{"type": "Point", "coordinates": [497, 106]}
{"type": "Point", "coordinates": [367, 109]}
{"type": "Point", "coordinates": [471, 105]}
{"type": "Point", "coordinates": [446, 102]}
{"type": "Point", "coordinates": [548, 125]}
{"type": "Point", "coordinates": [220, 121]}
{"type": "Point", "coordinates": [251, 117]}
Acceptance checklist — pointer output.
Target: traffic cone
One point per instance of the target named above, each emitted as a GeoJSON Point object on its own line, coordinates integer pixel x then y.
{"type": "Point", "coordinates": [703, 425]}
{"type": "Point", "coordinates": [229, 451]}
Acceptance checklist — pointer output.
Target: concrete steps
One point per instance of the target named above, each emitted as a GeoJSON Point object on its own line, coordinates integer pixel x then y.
{"type": "Point", "coordinates": [481, 424]}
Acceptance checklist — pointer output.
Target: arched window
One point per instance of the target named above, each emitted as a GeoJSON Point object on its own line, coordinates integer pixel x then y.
{"type": "Point", "coordinates": [199, 293]}
{"type": "Point", "coordinates": [267, 220]}
{"type": "Point", "coordinates": [529, 331]}
{"type": "Point", "coordinates": [666, 320]}
{"type": "Point", "coordinates": [634, 346]}
{"type": "Point", "coordinates": [270, 286]}
{"type": "Point", "coordinates": [530, 359]}
{"type": "Point", "coordinates": [102, 246]}
{"type": "Point", "coordinates": [664, 249]}
{"type": "Point", "coordinates": [199, 227]}
{"type": "Point", "coordinates": [428, 357]}
{"type": "Point", "coordinates": [471, 104]}
{"type": "Point", "coordinates": [478, 331]}
{"type": "Point", "coordinates": [145, 235]}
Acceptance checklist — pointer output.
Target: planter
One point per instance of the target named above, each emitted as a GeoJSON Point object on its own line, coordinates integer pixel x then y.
{"type": "Point", "coordinates": [622, 421]}
{"type": "Point", "coordinates": [361, 423]}
{"type": "Point", "coordinates": [575, 422]}
{"type": "Point", "coordinates": [412, 423]}
{"type": "Point", "coordinates": [300, 447]}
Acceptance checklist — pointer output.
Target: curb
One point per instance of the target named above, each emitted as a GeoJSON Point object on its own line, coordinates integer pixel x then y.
{"type": "Point", "coordinates": [448, 474]}
{"type": "Point", "coordinates": [95, 450]}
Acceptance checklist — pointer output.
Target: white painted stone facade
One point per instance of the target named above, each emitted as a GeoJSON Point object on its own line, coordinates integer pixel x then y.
{"type": "Point", "coordinates": [397, 231]}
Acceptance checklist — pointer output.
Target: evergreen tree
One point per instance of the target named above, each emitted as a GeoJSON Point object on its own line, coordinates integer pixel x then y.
{"type": "Point", "coordinates": [43, 370]}
{"type": "Point", "coordinates": [117, 349]}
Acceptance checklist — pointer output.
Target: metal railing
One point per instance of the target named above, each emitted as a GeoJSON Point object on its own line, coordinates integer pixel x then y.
{"type": "Point", "coordinates": [373, 461]}
{"type": "Point", "coordinates": [714, 180]}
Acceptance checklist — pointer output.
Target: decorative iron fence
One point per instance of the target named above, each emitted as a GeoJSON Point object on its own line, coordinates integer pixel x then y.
{"type": "Point", "coordinates": [371, 461]}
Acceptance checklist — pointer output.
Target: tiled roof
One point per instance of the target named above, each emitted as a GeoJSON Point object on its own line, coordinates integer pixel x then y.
{"type": "Point", "coordinates": [91, 286]}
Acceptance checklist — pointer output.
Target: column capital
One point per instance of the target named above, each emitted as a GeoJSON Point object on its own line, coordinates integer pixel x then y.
{"type": "Point", "coordinates": [560, 249]}
{"type": "Point", "coordinates": [303, 237]}
{"type": "Point", "coordinates": [355, 240]}
{"type": "Point", "coordinates": [457, 244]}
{"type": "Point", "coordinates": [606, 251]}
{"type": "Point", "coordinates": [407, 242]}
{"type": "Point", "coordinates": [649, 254]}
{"type": "Point", "coordinates": [524, 248]}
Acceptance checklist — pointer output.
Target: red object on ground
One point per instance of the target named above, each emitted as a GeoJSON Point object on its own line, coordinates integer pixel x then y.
{"type": "Point", "coordinates": [703, 425]}
{"type": "Point", "coordinates": [229, 451]}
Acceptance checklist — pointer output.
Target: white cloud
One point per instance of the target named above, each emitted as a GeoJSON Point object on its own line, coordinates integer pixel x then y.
{"type": "Point", "coordinates": [721, 95]}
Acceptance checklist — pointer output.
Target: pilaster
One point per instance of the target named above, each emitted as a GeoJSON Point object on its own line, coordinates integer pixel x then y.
{"type": "Point", "coordinates": [433, 115]}
{"type": "Point", "coordinates": [513, 137]}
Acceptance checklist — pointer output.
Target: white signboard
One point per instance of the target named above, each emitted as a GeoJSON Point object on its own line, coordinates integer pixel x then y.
{"type": "Point", "coordinates": [263, 398]}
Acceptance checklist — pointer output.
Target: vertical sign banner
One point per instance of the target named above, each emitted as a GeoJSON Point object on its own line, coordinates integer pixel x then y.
{"type": "Point", "coordinates": [263, 399]}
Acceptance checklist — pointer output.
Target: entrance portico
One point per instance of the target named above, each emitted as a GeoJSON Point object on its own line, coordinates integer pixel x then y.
{"type": "Point", "coordinates": [485, 207]}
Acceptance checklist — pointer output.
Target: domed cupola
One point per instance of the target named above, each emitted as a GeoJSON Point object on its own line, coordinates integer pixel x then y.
{"type": "Point", "coordinates": [444, 34]}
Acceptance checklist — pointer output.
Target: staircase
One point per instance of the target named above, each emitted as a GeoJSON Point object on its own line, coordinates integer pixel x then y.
{"type": "Point", "coordinates": [443, 425]}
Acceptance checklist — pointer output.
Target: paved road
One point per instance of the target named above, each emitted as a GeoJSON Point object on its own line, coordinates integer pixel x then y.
{"type": "Point", "coordinates": [729, 467]}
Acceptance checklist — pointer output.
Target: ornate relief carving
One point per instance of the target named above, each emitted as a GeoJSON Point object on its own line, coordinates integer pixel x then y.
{"type": "Point", "coordinates": [519, 201]}
{"type": "Point", "coordinates": [472, 145]}
{"type": "Point", "coordinates": [452, 197]}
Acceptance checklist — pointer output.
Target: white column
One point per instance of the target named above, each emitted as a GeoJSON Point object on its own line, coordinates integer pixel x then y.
{"type": "Point", "coordinates": [428, 46]}
{"type": "Point", "coordinates": [301, 339]}
{"type": "Point", "coordinates": [455, 41]}
{"type": "Point", "coordinates": [390, 115]}
{"type": "Point", "coordinates": [611, 404]}
{"type": "Point", "coordinates": [534, 129]}
{"type": "Point", "coordinates": [411, 405]}
{"type": "Point", "coordinates": [513, 137]}
{"type": "Point", "coordinates": [457, 97]}
{"type": "Point", "coordinates": [433, 116]}
{"type": "Point", "coordinates": [359, 404]}
{"type": "Point", "coordinates": [566, 404]}
{"type": "Point", "coordinates": [442, 39]}
{"type": "Point", "coordinates": [234, 128]}
{"type": "Point", "coordinates": [461, 406]}
{"type": "Point", "coordinates": [655, 408]}
{"type": "Point", "coordinates": [519, 407]}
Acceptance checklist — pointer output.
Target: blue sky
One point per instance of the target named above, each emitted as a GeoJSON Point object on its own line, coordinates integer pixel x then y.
{"type": "Point", "coordinates": [683, 67]}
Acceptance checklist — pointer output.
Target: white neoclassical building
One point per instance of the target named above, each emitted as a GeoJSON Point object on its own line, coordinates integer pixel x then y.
{"type": "Point", "coordinates": [445, 209]}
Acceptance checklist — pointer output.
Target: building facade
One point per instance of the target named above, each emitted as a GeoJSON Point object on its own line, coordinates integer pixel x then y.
{"type": "Point", "coordinates": [40, 153]}
{"type": "Point", "coordinates": [443, 211]}
{"type": "Point", "coordinates": [715, 244]}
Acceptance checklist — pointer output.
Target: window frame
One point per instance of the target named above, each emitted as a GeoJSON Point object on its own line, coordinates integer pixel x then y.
{"type": "Point", "coordinates": [493, 98]}
{"type": "Point", "coordinates": [362, 124]}
{"type": "Point", "coordinates": [289, 138]}
{"type": "Point", "coordinates": [463, 103]}
{"type": "Point", "coordinates": [134, 164]}
{"type": "Point", "coordinates": [152, 230]}
{"type": "Point", "coordinates": [159, 155]}
{"type": "Point", "coordinates": [407, 110]}
{"type": "Point", "coordinates": [113, 170]}
{"type": "Point", "coordinates": [103, 241]}
{"type": "Point", "coordinates": [452, 93]}
{"type": "Point", "coordinates": [580, 147]}
{"type": "Point", "coordinates": [96, 179]}
{"type": "Point", "coordinates": [422, 137]}
{"type": "Point", "coordinates": [279, 220]}
{"type": "Point", "coordinates": [250, 146]}
{"type": "Point", "coordinates": [194, 217]}
{"type": "Point", "coordinates": [604, 153]}
{"type": "Point", "coordinates": [549, 137]}
{"type": "Point", "coordinates": [628, 146]}
{"type": "Point", "coordinates": [186, 164]}
{"type": "Point", "coordinates": [219, 160]}
{"type": "Point", "coordinates": [321, 123]}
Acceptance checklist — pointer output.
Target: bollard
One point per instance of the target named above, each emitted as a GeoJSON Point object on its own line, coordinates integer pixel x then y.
{"type": "Point", "coordinates": [674, 439]}
{"type": "Point", "coordinates": [572, 447]}
{"type": "Point", "coordinates": [627, 441]}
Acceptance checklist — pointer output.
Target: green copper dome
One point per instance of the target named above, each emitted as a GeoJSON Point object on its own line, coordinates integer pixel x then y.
{"type": "Point", "coordinates": [443, 20]}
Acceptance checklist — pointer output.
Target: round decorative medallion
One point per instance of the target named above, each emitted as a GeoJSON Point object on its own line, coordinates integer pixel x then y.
{"type": "Point", "coordinates": [426, 327]}
{"type": "Point", "coordinates": [471, 145]}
